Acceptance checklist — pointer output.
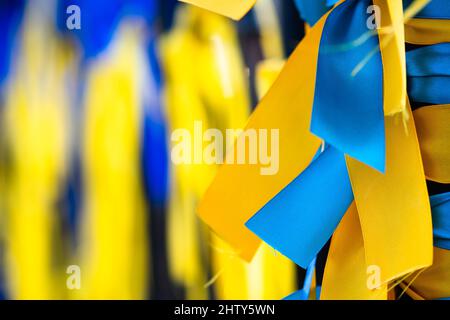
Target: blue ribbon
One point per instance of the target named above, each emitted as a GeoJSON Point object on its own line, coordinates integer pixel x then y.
{"type": "Point", "coordinates": [154, 146]}
{"type": "Point", "coordinates": [300, 219]}
{"type": "Point", "coordinates": [11, 13]}
{"type": "Point", "coordinates": [312, 11]}
{"type": "Point", "coordinates": [440, 206]}
{"type": "Point", "coordinates": [428, 70]}
{"type": "Point", "coordinates": [348, 109]}
{"type": "Point", "coordinates": [303, 293]}
{"type": "Point", "coordinates": [435, 9]}
{"type": "Point", "coordinates": [100, 18]}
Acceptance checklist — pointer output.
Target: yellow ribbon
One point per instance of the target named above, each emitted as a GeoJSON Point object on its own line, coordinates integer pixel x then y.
{"type": "Point", "coordinates": [239, 190]}
{"type": "Point", "coordinates": [345, 275]}
{"type": "Point", "coordinates": [234, 9]}
{"type": "Point", "coordinates": [397, 230]}
{"type": "Point", "coordinates": [427, 31]}
{"type": "Point", "coordinates": [114, 250]}
{"type": "Point", "coordinates": [433, 282]}
{"type": "Point", "coordinates": [36, 118]}
{"type": "Point", "coordinates": [433, 130]}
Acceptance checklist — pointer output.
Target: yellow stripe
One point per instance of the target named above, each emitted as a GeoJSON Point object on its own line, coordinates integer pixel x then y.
{"type": "Point", "coordinates": [234, 9]}
{"type": "Point", "coordinates": [114, 244]}
{"type": "Point", "coordinates": [393, 55]}
{"type": "Point", "coordinates": [434, 282]}
{"type": "Point", "coordinates": [270, 29]}
{"type": "Point", "coordinates": [433, 130]}
{"type": "Point", "coordinates": [427, 31]}
{"type": "Point", "coordinates": [394, 207]}
{"type": "Point", "coordinates": [345, 275]}
{"type": "Point", "coordinates": [36, 123]}
{"type": "Point", "coordinates": [239, 191]}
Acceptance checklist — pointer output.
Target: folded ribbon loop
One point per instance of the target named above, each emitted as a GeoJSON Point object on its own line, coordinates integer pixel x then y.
{"type": "Point", "coordinates": [348, 108]}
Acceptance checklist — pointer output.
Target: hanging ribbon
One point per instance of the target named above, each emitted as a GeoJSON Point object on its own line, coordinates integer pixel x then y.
{"type": "Point", "coordinates": [440, 205]}
{"type": "Point", "coordinates": [234, 9]}
{"type": "Point", "coordinates": [303, 294]}
{"type": "Point", "coordinates": [10, 18]}
{"type": "Point", "coordinates": [434, 282]}
{"type": "Point", "coordinates": [348, 108]}
{"type": "Point", "coordinates": [227, 206]}
{"type": "Point", "coordinates": [382, 181]}
{"type": "Point", "coordinates": [36, 119]}
{"type": "Point", "coordinates": [114, 222]}
{"type": "Point", "coordinates": [431, 25]}
{"type": "Point", "coordinates": [429, 74]}
{"type": "Point", "coordinates": [312, 11]}
{"type": "Point", "coordinates": [384, 205]}
{"type": "Point", "coordinates": [346, 275]}
{"type": "Point", "coordinates": [433, 130]}
{"type": "Point", "coordinates": [302, 217]}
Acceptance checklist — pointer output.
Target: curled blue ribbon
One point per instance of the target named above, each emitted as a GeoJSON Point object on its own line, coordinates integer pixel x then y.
{"type": "Point", "coordinates": [428, 70]}
{"type": "Point", "coordinates": [348, 108]}
{"type": "Point", "coordinates": [300, 219]}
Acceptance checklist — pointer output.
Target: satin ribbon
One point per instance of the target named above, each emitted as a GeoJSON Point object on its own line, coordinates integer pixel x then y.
{"type": "Point", "coordinates": [440, 206]}
{"type": "Point", "coordinates": [429, 61]}
{"type": "Point", "coordinates": [303, 294]}
{"type": "Point", "coordinates": [234, 9]}
{"type": "Point", "coordinates": [10, 17]}
{"type": "Point", "coordinates": [434, 282]}
{"type": "Point", "coordinates": [392, 48]}
{"type": "Point", "coordinates": [427, 31]}
{"type": "Point", "coordinates": [227, 206]}
{"type": "Point", "coordinates": [312, 11]}
{"type": "Point", "coordinates": [429, 74]}
{"type": "Point", "coordinates": [433, 130]}
{"type": "Point", "coordinates": [397, 232]}
{"type": "Point", "coordinates": [380, 198]}
{"type": "Point", "coordinates": [348, 108]}
{"type": "Point", "coordinates": [431, 25]}
{"type": "Point", "coordinates": [435, 9]}
{"type": "Point", "coordinates": [302, 217]}
{"type": "Point", "coordinates": [345, 275]}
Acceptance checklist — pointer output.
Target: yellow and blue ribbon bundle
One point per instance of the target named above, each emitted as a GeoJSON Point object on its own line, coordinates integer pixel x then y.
{"type": "Point", "coordinates": [371, 154]}
{"type": "Point", "coordinates": [94, 93]}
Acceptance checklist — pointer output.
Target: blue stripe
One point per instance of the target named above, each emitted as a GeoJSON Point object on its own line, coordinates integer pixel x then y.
{"type": "Point", "coordinates": [302, 217]}
{"type": "Point", "coordinates": [100, 18]}
{"type": "Point", "coordinates": [312, 11]}
{"type": "Point", "coordinates": [348, 110]}
{"type": "Point", "coordinates": [431, 60]}
{"type": "Point", "coordinates": [11, 13]}
{"type": "Point", "coordinates": [303, 294]}
{"type": "Point", "coordinates": [440, 206]}
{"type": "Point", "coordinates": [433, 90]}
{"type": "Point", "coordinates": [435, 9]}
{"type": "Point", "coordinates": [428, 70]}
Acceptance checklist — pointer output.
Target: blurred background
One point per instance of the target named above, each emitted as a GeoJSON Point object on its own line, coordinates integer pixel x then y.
{"type": "Point", "coordinates": [90, 205]}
